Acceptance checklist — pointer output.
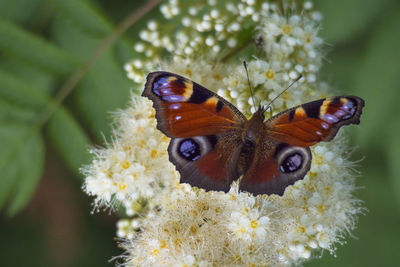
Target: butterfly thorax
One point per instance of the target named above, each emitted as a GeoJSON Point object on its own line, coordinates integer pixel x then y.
{"type": "Point", "coordinates": [253, 128]}
{"type": "Point", "coordinates": [253, 137]}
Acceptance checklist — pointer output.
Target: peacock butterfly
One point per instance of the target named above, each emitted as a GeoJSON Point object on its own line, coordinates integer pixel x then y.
{"type": "Point", "coordinates": [213, 144]}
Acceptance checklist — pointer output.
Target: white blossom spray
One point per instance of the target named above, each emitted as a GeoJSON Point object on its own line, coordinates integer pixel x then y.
{"type": "Point", "coordinates": [171, 224]}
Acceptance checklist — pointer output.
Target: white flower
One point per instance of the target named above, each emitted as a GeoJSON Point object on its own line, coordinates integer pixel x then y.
{"type": "Point", "coordinates": [248, 226]}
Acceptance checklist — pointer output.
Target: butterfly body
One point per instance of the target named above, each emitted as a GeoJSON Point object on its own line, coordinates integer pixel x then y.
{"type": "Point", "coordinates": [213, 144]}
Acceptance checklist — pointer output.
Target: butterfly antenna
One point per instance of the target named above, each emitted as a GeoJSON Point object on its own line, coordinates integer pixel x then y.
{"type": "Point", "coordinates": [290, 85]}
{"type": "Point", "coordinates": [248, 80]}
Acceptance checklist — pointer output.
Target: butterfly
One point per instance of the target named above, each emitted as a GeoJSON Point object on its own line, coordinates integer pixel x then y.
{"type": "Point", "coordinates": [213, 144]}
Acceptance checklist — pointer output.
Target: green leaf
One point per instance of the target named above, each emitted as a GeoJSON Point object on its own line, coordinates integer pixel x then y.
{"type": "Point", "coordinates": [69, 139]}
{"type": "Point", "coordinates": [16, 91]}
{"type": "Point", "coordinates": [19, 11]}
{"type": "Point", "coordinates": [119, 9]}
{"type": "Point", "coordinates": [21, 102]}
{"type": "Point", "coordinates": [393, 154]}
{"type": "Point", "coordinates": [377, 79]}
{"type": "Point", "coordinates": [21, 164]}
{"type": "Point", "coordinates": [31, 168]}
{"type": "Point", "coordinates": [34, 50]}
{"type": "Point", "coordinates": [355, 17]}
{"type": "Point", "coordinates": [85, 16]}
{"type": "Point", "coordinates": [9, 112]}
{"type": "Point", "coordinates": [42, 80]}
{"type": "Point", "coordinates": [105, 87]}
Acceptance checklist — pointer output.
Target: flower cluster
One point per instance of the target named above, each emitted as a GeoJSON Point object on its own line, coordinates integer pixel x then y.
{"type": "Point", "coordinates": [217, 29]}
{"type": "Point", "coordinates": [199, 228]}
{"type": "Point", "coordinates": [134, 169]}
{"type": "Point", "coordinates": [173, 224]}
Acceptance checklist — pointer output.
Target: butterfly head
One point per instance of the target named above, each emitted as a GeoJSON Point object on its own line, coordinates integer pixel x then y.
{"type": "Point", "coordinates": [259, 115]}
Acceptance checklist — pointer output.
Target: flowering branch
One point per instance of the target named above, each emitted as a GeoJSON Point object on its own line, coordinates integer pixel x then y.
{"type": "Point", "coordinates": [172, 224]}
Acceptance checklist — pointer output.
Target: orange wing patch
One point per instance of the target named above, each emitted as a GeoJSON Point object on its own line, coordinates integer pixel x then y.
{"type": "Point", "coordinates": [187, 119]}
{"type": "Point", "coordinates": [316, 121]}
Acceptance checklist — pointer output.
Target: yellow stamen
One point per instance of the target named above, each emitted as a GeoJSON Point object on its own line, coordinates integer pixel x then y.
{"type": "Point", "coordinates": [301, 229]}
{"type": "Point", "coordinates": [188, 72]}
{"type": "Point", "coordinates": [286, 29]}
{"type": "Point", "coordinates": [270, 74]}
{"type": "Point", "coordinates": [125, 164]}
{"type": "Point", "coordinates": [254, 224]}
{"type": "Point", "coordinates": [163, 244]}
{"type": "Point", "coordinates": [122, 187]}
{"type": "Point", "coordinates": [153, 154]}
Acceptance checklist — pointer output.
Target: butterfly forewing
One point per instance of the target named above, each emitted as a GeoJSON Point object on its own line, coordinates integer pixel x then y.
{"type": "Point", "coordinates": [186, 109]}
{"type": "Point", "coordinates": [315, 121]}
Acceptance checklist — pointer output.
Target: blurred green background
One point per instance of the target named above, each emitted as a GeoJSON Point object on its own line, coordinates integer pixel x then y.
{"type": "Point", "coordinates": [45, 217]}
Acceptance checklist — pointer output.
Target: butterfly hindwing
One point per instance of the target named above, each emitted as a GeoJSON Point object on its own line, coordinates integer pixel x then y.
{"type": "Point", "coordinates": [316, 121]}
{"type": "Point", "coordinates": [185, 108]}
{"type": "Point", "coordinates": [271, 173]}
{"type": "Point", "coordinates": [203, 162]}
